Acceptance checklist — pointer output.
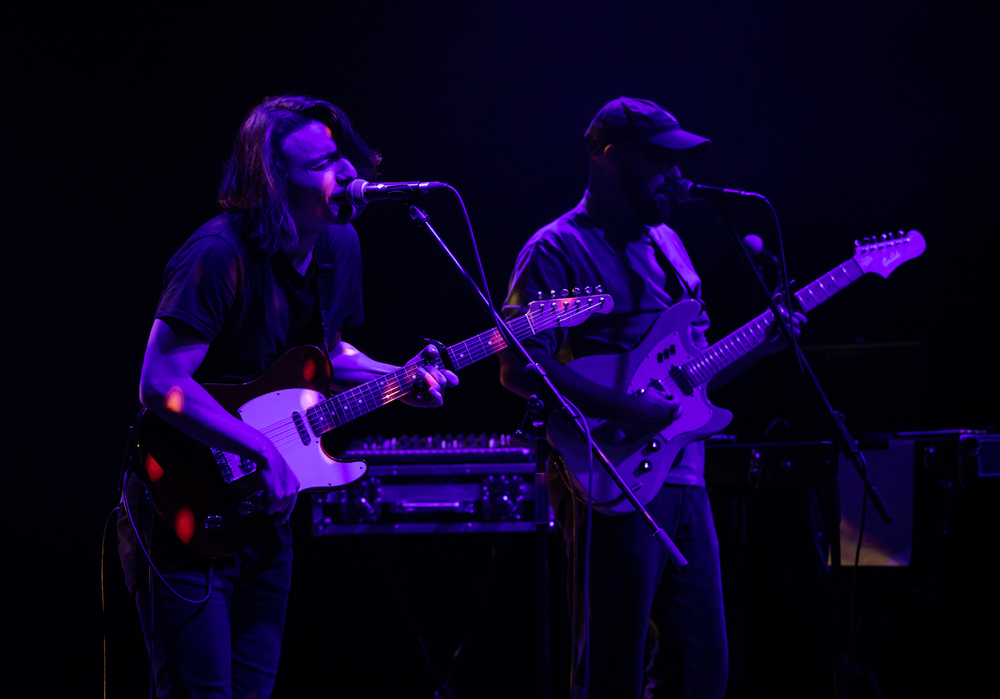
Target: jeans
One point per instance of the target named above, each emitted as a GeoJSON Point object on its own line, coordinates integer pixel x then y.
{"type": "Point", "coordinates": [227, 646]}
{"type": "Point", "coordinates": [655, 631]}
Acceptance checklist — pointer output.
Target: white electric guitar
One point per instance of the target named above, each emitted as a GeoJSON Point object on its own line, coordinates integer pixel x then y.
{"type": "Point", "coordinates": [214, 501]}
{"type": "Point", "coordinates": [667, 360]}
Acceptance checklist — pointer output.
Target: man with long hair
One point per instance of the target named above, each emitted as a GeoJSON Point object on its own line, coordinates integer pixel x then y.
{"type": "Point", "coordinates": [279, 268]}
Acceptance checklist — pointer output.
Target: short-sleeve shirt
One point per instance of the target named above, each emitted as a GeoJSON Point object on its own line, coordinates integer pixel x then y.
{"type": "Point", "coordinates": [251, 307]}
{"type": "Point", "coordinates": [644, 269]}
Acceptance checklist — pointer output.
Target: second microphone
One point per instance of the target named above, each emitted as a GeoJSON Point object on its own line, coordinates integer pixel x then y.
{"type": "Point", "coordinates": [361, 192]}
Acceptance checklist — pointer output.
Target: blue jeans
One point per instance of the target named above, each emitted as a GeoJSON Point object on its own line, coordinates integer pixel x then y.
{"type": "Point", "coordinates": [655, 631]}
{"type": "Point", "coordinates": [226, 647]}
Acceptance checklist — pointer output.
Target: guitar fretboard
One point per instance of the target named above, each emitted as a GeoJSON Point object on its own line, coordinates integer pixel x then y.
{"type": "Point", "coordinates": [701, 369]}
{"type": "Point", "coordinates": [360, 400]}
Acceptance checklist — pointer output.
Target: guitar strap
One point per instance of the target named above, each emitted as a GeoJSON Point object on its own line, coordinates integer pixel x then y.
{"type": "Point", "coordinates": [669, 243]}
{"type": "Point", "coordinates": [322, 286]}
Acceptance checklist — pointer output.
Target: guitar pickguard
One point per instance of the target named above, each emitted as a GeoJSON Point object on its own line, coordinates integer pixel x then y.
{"type": "Point", "coordinates": [642, 459]}
{"type": "Point", "coordinates": [313, 466]}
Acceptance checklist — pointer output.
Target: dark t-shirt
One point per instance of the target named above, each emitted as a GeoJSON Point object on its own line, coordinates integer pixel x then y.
{"type": "Point", "coordinates": [252, 308]}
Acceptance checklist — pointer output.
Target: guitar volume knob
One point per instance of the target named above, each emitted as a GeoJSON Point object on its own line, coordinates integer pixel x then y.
{"type": "Point", "coordinates": [655, 444]}
{"type": "Point", "coordinates": [645, 465]}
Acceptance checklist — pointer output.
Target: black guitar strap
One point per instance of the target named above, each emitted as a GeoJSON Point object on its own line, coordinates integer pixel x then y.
{"type": "Point", "coordinates": [320, 286]}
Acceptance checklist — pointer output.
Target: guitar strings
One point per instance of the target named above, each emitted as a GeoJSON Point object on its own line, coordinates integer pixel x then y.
{"type": "Point", "coordinates": [362, 399]}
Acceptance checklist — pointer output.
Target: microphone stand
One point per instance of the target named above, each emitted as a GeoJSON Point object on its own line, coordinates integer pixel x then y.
{"type": "Point", "coordinates": [844, 440]}
{"type": "Point", "coordinates": [565, 407]}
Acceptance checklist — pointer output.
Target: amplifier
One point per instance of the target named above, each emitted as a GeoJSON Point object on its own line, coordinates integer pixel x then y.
{"type": "Point", "coordinates": [732, 465]}
{"type": "Point", "coordinates": [440, 484]}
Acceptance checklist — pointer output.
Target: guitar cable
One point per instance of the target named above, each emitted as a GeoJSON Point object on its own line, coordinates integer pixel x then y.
{"type": "Point", "coordinates": [561, 465]}
{"type": "Point", "coordinates": [786, 291]}
{"type": "Point", "coordinates": [104, 610]}
{"type": "Point", "coordinates": [126, 470]}
{"type": "Point", "coordinates": [209, 576]}
{"type": "Point", "coordinates": [586, 555]}
{"type": "Point", "coordinates": [857, 560]}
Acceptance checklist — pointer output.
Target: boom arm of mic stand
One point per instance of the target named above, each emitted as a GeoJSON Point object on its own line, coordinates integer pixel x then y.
{"type": "Point", "coordinates": [847, 443]}
{"type": "Point", "coordinates": [422, 219]}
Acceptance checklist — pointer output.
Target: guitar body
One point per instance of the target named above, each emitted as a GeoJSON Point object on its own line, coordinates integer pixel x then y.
{"type": "Point", "coordinates": [214, 501]}
{"type": "Point", "coordinates": [643, 459]}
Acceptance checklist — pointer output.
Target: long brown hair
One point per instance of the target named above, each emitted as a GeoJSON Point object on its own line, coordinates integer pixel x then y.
{"type": "Point", "coordinates": [252, 181]}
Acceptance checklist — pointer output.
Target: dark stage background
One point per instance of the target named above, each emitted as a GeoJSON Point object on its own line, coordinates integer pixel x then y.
{"type": "Point", "coordinates": [855, 118]}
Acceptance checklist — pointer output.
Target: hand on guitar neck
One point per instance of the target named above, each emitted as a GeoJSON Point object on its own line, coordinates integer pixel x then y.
{"type": "Point", "coordinates": [776, 339]}
{"type": "Point", "coordinates": [774, 343]}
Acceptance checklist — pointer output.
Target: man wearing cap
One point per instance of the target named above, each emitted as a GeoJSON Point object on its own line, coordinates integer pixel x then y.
{"type": "Point", "coordinates": [617, 237]}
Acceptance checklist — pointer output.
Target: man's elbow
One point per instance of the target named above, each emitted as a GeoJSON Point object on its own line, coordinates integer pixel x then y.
{"type": "Point", "coordinates": [151, 394]}
{"type": "Point", "coordinates": [158, 393]}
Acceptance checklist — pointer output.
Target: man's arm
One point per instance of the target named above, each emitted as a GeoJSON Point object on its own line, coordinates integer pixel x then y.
{"type": "Point", "coordinates": [166, 388]}
{"type": "Point", "coordinates": [351, 367]}
{"type": "Point", "coordinates": [649, 411]}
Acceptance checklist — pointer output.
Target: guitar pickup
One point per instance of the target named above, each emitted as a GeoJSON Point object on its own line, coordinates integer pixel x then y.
{"type": "Point", "coordinates": [666, 354]}
{"type": "Point", "coordinates": [300, 425]}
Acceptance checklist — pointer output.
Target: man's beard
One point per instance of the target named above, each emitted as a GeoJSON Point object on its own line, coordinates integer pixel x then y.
{"type": "Point", "coordinates": [650, 209]}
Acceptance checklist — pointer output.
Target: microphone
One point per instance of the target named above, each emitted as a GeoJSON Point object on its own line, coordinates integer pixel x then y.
{"type": "Point", "coordinates": [361, 193]}
{"type": "Point", "coordinates": [687, 190]}
{"type": "Point", "coordinates": [758, 253]}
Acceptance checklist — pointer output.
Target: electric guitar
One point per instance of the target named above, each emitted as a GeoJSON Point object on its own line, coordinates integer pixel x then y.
{"type": "Point", "coordinates": [214, 501]}
{"type": "Point", "coordinates": [667, 360]}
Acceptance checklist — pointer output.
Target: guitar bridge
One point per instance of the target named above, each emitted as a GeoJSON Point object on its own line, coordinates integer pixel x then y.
{"type": "Point", "coordinates": [681, 380]}
{"type": "Point", "coordinates": [232, 466]}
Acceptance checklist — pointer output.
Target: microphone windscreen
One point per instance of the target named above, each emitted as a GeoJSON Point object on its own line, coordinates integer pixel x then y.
{"type": "Point", "coordinates": [754, 244]}
{"type": "Point", "coordinates": [356, 192]}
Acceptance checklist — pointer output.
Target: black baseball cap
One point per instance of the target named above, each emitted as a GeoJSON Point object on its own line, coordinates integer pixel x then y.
{"type": "Point", "coordinates": [633, 122]}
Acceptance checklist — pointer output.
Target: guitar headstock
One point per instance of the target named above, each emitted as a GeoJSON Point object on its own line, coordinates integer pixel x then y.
{"type": "Point", "coordinates": [883, 254]}
{"type": "Point", "coordinates": [568, 310]}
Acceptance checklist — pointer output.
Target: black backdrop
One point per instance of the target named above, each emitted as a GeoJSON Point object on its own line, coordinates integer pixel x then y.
{"type": "Point", "coordinates": [855, 118]}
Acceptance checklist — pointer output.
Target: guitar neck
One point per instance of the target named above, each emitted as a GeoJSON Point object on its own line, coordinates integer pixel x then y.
{"type": "Point", "coordinates": [361, 400]}
{"type": "Point", "coordinates": [701, 369]}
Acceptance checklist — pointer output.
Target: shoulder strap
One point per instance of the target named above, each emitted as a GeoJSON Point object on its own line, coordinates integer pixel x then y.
{"type": "Point", "coordinates": [673, 249]}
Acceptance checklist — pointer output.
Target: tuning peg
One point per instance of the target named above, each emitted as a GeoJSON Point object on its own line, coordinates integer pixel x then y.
{"type": "Point", "coordinates": [565, 293]}
{"type": "Point", "coordinates": [552, 293]}
{"type": "Point", "coordinates": [586, 290]}
{"type": "Point", "coordinates": [885, 236]}
{"type": "Point", "coordinates": [540, 295]}
{"type": "Point", "coordinates": [857, 244]}
{"type": "Point", "coordinates": [576, 291]}
{"type": "Point", "coordinates": [599, 289]}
